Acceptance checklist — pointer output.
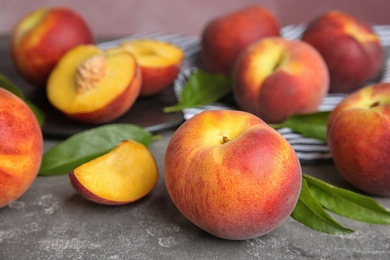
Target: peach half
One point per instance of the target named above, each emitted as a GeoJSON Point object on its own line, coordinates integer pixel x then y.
{"type": "Point", "coordinates": [160, 63]}
{"type": "Point", "coordinates": [124, 175]}
{"type": "Point", "coordinates": [94, 86]}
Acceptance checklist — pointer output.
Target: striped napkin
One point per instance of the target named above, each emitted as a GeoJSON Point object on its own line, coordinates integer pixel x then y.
{"type": "Point", "coordinates": [307, 149]}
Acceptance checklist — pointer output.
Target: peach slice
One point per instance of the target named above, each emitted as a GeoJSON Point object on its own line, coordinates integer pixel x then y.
{"type": "Point", "coordinates": [124, 175]}
{"type": "Point", "coordinates": [94, 86]}
{"type": "Point", "coordinates": [160, 63]}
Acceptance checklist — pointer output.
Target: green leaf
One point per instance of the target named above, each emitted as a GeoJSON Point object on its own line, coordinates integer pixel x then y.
{"type": "Point", "coordinates": [90, 144]}
{"type": "Point", "coordinates": [202, 88]}
{"type": "Point", "coordinates": [347, 203]}
{"type": "Point", "coordinates": [7, 84]}
{"type": "Point", "coordinates": [10, 86]}
{"type": "Point", "coordinates": [310, 213]}
{"type": "Point", "coordinates": [309, 125]}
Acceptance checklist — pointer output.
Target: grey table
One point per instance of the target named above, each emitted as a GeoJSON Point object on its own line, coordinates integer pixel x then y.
{"type": "Point", "coordinates": [51, 221]}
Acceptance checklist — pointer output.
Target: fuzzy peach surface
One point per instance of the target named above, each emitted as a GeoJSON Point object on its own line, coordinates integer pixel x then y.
{"type": "Point", "coordinates": [21, 147]}
{"type": "Point", "coordinates": [225, 37]}
{"type": "Point", "coordinates": [238, 189]}
{"type": "Point", "coordinates": [359, 139]}
{"type": "Point", "coordinates": [275, 78]}
{"type": "Point", "coordinates": [41, 37]}
{"type": "Point", "coordinates": [350, 47]}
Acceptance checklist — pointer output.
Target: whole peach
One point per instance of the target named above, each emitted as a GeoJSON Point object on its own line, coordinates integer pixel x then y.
{"type": "Point", "coordinates": [41, 37]}
{"type": "Point", "coordinates": [225, 37]}
{"type": "Point", "coordinates": [21, 147]}
{"type": "Point", "coordinates": [275, 78]}
{"type": "Point", "coordinates": [231, 174]}
{"type": "Point", "coordinates": [358, 137]}
{"type": "Point", "coordinates": [350, 48]}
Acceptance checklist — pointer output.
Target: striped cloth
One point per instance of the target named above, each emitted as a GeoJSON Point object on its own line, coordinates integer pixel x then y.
{"type": "Point", "coordinates": [307, 149]}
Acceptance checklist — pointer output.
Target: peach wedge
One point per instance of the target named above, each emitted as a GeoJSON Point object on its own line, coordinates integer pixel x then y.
{"type": "Point", "coordinates": [94, 86]}
{"type": "Point", "coordinates": [124, 175]}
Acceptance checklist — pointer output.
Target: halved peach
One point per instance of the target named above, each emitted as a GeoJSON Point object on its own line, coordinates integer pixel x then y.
{"type": "Point", "coordinates": [124, 175]}
{"type": "Point", "coordinates": [94, 86]}
{"type": "Point", "coordinates": [160, 63]}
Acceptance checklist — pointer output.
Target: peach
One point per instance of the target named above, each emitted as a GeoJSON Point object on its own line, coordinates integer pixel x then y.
{"type": "Point", "coordinates": [231, 174]}
{"type": "Point", "coordinates": [358, 136]}
{"type": "Point", "coordinates": [42, 37]}
{"type": "Point", "coordinates": [94, 86]}
{"type": "Point", "coordinates": [224, 38]}
{"type": "Point", "coordinates": [351, 49]}
{"type": "Point", "coordinates": [125, 174]}
{"type": "Point", "coordinates": [275, 78]}
{"type": "Point", "coordinates": [21, 147]}
{"type": "Point", "coordinates": [160, 63]}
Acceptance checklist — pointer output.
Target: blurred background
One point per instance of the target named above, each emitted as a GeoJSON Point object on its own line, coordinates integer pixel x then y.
{"type": "Point", "coordinates": [116, 18]}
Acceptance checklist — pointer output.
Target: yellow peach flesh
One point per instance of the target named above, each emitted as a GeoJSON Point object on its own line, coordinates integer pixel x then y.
{"type": "Point", "coordinates": [125, 174]}
{"type": "Point", "coordinates": [154, 53]}
{"type": "Point", "coordinates": [118, 73]}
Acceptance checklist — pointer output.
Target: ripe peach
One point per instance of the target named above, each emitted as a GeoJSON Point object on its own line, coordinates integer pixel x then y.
{"type": "Point", "coordinates": [160, 63]}
{"type": "Point", "coordinates": [275, 78]}
{"type": "Point", "coordinates": [358, 137]}
{"type": "Point", "coordinates": [351, 49]}
{"type": "Point", "coordinates": [231, 174]}
{"type": "Point", "coordinates": [124, 175]}
{"type": "Point", "coordinates": [41, 38]}
{"type": "Point", "coordinates": [21, 147]}
{"type": "Point", "coordinates": [94, 86]}
{"type": "Point", "coordinates": [225, 37]}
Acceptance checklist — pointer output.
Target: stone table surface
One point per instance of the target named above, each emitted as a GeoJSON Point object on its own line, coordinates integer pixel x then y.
{"type": "Point", "coordinates": [51, 221]}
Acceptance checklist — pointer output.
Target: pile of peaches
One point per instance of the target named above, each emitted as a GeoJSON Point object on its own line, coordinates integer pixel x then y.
{"type": "Point", "coordinates": [229, 172]}
{"type": "Point", "coordinates": [54, 49]}
{"type": "Point", "coordinates": [274, 77]}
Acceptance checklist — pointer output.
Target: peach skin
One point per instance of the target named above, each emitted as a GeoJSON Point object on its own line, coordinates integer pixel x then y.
{"type": "Point", "coordinates": [231, 174]}
{"type": "Point", "coordinates": [42, 37]}
{"type": "Point", "coordinates": [350, 48]}
{"type": "Point", "coordinates": [358, 137]}
{"type": "Point", "coordinates": [275, 78]}
{"type": "Point", "coordinates": [225, 37]}
{"type": "Point", "coordinates": [21, 147]}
